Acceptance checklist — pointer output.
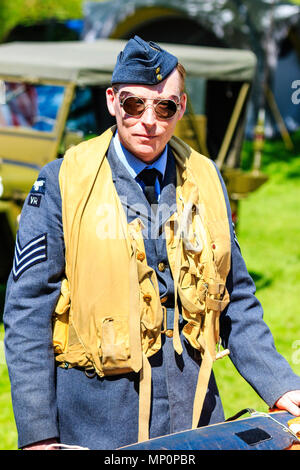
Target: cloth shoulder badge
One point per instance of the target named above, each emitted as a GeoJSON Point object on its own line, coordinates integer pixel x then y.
{"type": "Point", "coordinates": [32, 253]}
{"type": "Point", "coordinates": [35, 195]}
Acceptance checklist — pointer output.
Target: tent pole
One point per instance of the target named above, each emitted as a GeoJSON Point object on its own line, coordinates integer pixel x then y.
{"type": "Point", "coordinates": [232, 124]}
{"type": "Point", "coordinates": [278, 118]}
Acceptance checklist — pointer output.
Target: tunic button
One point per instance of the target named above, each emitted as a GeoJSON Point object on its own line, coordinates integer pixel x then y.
{"type": "Point", "coordinates": [163, 299]}
{"type": "Point", "coordinates": [169, 333]}
{"type": "Point", "coordinates": [161, 267]}
{"type": "Point", "coordinates": [147, 298]}
{"type": "Point", "coordinates": [140, 256]}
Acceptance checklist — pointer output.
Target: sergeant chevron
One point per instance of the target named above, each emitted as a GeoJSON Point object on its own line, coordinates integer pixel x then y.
{"type": "Point", "coordinates": [35, 251]}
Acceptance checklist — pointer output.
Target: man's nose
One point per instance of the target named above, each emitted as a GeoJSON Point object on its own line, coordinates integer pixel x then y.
{"type": "Point", "coordinates": [149, 117]}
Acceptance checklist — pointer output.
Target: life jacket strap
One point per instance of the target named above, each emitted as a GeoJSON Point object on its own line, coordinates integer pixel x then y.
{"type": "Point", "coordinates": [144, 400]}
{"type": "Point", "coordinates": [202, 385]}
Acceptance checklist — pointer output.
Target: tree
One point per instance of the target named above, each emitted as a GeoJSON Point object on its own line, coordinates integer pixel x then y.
{"type": "Point", "coordinates": [27, 12]}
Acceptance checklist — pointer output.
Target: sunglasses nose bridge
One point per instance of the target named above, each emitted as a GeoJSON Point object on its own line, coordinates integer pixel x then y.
{"type": "Point", "coordinates": [147, 116]}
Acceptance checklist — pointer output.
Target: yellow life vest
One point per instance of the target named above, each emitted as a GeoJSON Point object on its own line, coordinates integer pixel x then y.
{"type": "Point", "coordinates": [109, 317]}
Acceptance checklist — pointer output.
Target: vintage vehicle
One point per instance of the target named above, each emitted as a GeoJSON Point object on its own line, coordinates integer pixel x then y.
{"type": "Point", "coordinates": [53, 96]}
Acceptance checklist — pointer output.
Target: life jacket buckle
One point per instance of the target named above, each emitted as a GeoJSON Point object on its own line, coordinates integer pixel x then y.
{"type": "Point", "coordinates": [220, 354]}
{"type": "Point", "coordinates": [167, 331]}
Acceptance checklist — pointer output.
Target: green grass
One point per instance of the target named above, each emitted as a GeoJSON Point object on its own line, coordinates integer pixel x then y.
{"type": "Point", "coordinates": [269, 236]}
{"type": "Point", "coordinates": [268, 232]}
{"type": "Point", "coordinates": [8, 433]}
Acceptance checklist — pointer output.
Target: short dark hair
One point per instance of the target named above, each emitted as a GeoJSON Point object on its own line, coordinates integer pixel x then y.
{"type": "Point", "coordinates": [182, 72]}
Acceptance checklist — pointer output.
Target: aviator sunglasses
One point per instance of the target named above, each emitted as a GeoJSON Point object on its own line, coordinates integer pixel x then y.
{"type": "Point", "coordinates": [163, 108]}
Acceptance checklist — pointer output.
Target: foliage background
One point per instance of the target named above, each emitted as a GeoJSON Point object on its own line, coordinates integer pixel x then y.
{"type": "Point", "coordinates": [268, 234]}
{"type": "Point", "coordinates": [27, 12]}
{"type": "Point", "coordinates": [15, 12]}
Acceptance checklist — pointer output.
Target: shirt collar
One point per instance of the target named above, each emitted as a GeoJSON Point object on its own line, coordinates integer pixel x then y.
{"type": "Point", "coordinates": [133, 164]}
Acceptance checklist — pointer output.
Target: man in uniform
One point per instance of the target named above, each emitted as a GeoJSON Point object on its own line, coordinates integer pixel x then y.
{"type": "Point", "coordinates": [126, 272]}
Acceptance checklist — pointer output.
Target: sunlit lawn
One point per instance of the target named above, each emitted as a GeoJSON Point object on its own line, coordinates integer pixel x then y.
{"type": "Point", "coordinates": [269, 235]}
{"type": "Point", "coordinates": [8, 434]}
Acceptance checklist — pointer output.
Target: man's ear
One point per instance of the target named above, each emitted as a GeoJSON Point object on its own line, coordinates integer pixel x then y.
{"type": "Point", "coordinates": [183, 101]}
{"type": "Point", "coordinates": [110, 101]}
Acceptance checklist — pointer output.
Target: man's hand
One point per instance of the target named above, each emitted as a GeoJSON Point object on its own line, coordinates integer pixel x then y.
{"type": "Point", "coordinates": [41, 445]}
{"type": "Point", "coordinates": [290, 402]}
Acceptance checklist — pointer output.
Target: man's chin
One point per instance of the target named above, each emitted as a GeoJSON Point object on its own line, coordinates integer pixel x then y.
{"type": "Point", "coordinates": [145, 153]}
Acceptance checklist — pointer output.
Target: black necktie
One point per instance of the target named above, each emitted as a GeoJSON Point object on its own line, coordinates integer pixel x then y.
{"type": "Point", "coordinates": [148, 176]}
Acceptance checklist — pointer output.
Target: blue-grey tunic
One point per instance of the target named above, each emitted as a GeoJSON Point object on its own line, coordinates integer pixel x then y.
{"type": "Point", "coordinates": [102, 413]}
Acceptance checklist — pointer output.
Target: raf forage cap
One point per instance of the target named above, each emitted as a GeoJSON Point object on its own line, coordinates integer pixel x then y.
{"type": "Point", "coordinates": [143, 63]}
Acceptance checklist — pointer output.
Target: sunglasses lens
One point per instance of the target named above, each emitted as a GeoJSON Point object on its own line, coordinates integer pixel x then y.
{"type": "Point", "coordinates": [133, 105]}
{"type": "Point", "coordinates": [166, 109]}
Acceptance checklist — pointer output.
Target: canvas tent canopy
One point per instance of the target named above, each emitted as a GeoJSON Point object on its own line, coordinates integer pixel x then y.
{"type": "Point", "coordinates": [86, 63]}
{"type": "Point", "coordinates": [270, 28]}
